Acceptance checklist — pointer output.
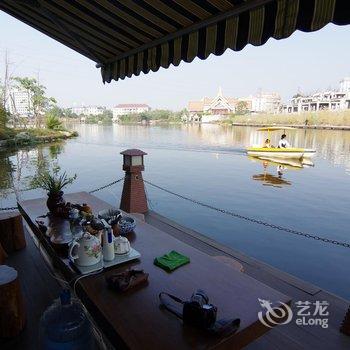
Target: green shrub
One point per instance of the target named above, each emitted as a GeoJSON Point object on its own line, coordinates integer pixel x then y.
{"type": "Point", "coordinates": [53, 122]}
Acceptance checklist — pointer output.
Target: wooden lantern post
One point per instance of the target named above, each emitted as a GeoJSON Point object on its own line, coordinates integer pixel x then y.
{"type": "Point", "coordinates": [134, 198]}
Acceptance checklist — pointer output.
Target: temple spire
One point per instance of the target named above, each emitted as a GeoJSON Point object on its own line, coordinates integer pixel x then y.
{"type": "Point", "coordinates": [220, 92]}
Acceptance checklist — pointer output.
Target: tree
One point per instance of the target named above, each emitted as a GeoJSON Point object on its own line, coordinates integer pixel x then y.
{"type": "Point", "coordinates": [297, 95]}
{"type": "Point", "coordinates": [2, 94]}
{"type": "Point", "coordinates": [3, 117]}
{"type": "Point", "coordinates": [39, 103]}
{"type": "Point", "coordinates": [107, 113]}
{"type": "Point", "coordinates": [3, 113]}
{"type": "Point", "coordinates": [242, 107]}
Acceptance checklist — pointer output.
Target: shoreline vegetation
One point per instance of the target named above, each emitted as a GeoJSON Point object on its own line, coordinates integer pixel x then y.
{"type": "Point", "coordinates": [155, 116]}
{"type": "Point", "coordinates": [309, 120]}
{"type": "Point", "coordinates": [32, 136]}
{"type": "Point", "coordinates": [49, 129]}
{"type": "Point", "coordinates": [42, 121]}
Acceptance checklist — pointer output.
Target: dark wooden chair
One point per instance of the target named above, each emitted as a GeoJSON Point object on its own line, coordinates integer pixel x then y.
{"type": "Point", "coordinates": [12, 315]}
{"type": "Point", "coordinates": [345, 326]}
{"type": "Point", "coordinates": [11, 232]}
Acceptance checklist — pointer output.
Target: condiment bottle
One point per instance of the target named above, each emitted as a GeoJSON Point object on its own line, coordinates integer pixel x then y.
{"type": "Point", "coordinates": [108, 243]}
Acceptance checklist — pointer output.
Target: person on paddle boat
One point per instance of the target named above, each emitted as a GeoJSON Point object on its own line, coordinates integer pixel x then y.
{"type": "Point", "coordinates": [267, 144]}
{"type": "Point", "coordinates": [280, 169]}
{"type": "Point", "coordinates": [283, 143]}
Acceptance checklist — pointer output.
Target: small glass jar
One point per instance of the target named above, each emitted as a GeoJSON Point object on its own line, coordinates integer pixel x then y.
{"type": "Point", "coordinates": [75, 223]}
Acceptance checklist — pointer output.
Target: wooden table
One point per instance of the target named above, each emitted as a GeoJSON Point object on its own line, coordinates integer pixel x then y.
{"type": "Point", "coordinates": [134, 320]}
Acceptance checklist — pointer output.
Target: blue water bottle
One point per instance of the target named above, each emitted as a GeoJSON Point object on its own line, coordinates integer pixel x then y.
{"type": "Point", "coordinates": [65, 326]}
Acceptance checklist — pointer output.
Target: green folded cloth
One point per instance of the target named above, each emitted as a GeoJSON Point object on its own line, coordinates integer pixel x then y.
{"type": "Point", "coordinates": [171, 261]}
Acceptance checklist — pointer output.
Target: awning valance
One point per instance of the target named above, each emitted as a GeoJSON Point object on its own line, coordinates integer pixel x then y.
{"type": "Point", "coordinates": [128, 37]}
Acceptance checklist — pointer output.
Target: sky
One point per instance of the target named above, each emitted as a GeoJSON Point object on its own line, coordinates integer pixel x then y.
{"type": "Point", "coordinates": [305, 62]}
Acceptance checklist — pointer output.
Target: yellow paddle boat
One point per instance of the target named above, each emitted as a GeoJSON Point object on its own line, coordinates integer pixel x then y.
{"type": "Point", "coordinates": [276, 152]}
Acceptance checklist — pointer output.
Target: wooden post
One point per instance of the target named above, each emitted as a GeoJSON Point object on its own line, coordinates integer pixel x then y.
{"type": "Point", "coordinates": [345, 326]}
{"type": "Point", "coordinates": [12, 313]}
{"type": "Point", "coordinates": [3, 255]}
{"type": "Point", "coordinates": [11, 232]}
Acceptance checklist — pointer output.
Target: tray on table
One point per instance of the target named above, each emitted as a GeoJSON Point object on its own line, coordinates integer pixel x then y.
{"type": "Point", "coordinates": [118, 259]}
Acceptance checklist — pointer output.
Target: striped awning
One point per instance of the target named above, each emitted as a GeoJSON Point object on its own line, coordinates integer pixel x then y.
{"type": "Point", "coordinates": [128, 37]}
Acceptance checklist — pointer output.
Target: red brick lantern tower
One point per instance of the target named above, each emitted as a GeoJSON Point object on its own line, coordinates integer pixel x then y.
{"type": "Point", "coordinates": [134, 198]}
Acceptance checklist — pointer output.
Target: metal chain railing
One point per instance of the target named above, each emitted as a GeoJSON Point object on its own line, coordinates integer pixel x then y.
{"type": "Point", "coordinates": [92, 191]}
{"type": "Point", "coordinates": [105, 186]}
{"type": "Point", "coordinates": [256, 221]}
{"type": "Point", "coordinates": [224, 211]}
{"type": "Point", "coordinates": [8, 208]}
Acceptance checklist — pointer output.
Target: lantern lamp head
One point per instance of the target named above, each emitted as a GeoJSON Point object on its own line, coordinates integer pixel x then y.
{"type": "Point", "coordinates": [133, 160]}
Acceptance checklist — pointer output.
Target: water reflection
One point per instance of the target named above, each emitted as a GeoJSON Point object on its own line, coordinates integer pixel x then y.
{"type": "Point", "coordinates": [275, 169]}
{"type": "Point", "coordinates": [333, 145]}
{"type": "Point", "coordinates": [18, 167]}
{"type": "Point", "coordinates": [271, 180]}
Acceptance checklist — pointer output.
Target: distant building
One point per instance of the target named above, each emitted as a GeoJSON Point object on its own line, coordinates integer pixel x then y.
{"type": "Point", "coordinates": [19, 103]}
{"type": "Point", "coordinates": [328, 100]}
{"type": "Point", "coordinates": [88, 110]}
{"type": "Point", "coordinates": [129, 108]}
{"type": "Point", "coordinates": [209, 110]}
{"type": "Point", "coordinates": [345, 85]}
{"type": "Point", "coordinates": [218, 108]}
{"type": "Point", "coordinates": [266, 102]}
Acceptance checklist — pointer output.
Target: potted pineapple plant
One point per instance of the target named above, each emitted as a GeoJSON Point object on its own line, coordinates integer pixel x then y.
{"type": "Point", "coordinates": [54, 183]}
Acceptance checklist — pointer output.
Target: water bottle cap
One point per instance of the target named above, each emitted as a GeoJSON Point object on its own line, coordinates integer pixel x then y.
{"type": "Point", "coordinates": [65, 297]}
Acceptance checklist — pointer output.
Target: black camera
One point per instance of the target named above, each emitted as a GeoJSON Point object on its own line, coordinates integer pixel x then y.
{"type": "Point", "coordinates": [198, 312]}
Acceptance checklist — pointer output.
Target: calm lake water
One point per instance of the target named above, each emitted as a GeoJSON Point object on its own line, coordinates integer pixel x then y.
{"type": "Point", "coordinates": [208, 163]}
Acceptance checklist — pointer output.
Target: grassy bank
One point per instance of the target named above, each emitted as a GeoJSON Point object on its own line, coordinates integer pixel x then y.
{"type": "Point", "coordinates": [324, 118]}
{"type": "Point", "coordinates": [17, 137]}
{"type": "Point", "coordinates": [154, 116]}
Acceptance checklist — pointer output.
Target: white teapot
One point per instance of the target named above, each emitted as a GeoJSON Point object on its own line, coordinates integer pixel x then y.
{"type": "Point", "coordinates": [121, 245]}
{"type": "Point", "coordinates": [85, 251]}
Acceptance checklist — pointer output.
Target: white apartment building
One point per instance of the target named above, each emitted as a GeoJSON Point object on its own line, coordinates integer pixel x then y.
{"type": "Point", "coordinates": [327, 100]}
{"type": "Point", "coordinates": [266, 102]}
{"type": "Point", "coordinates": [88, 110]}
{"type": "Point", "coordinates": [19, 103]}
{"type": "Point", "coordinates": [129, 108]}
{"type": "Point", "coordinates": [345, 85]}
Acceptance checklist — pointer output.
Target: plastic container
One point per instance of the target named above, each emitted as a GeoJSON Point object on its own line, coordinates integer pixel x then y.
{"type": "Point", "coordinates": [65, 326]}
{"type": "Point", "coordinates": [108, 245]}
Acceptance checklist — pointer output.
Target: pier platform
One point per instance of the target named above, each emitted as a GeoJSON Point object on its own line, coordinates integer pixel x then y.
{"type": "Point", "coordinates": [39, 286]}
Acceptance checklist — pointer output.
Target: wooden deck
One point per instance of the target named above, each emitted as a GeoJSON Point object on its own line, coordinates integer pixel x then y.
{"type": "Point", "coordinates": [286, 337]}
{"type": "Point", "coordinates": [40, 288]}
{"type": "Point", "coordinates": [236, 294]}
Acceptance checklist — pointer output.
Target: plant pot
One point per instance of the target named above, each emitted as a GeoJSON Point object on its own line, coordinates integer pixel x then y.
{"type": "Point", "coordinates": [55, 201]}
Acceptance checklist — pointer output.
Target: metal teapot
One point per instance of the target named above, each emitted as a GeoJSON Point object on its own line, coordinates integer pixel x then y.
{"type": "Point", "coordinates": [85, 251]}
